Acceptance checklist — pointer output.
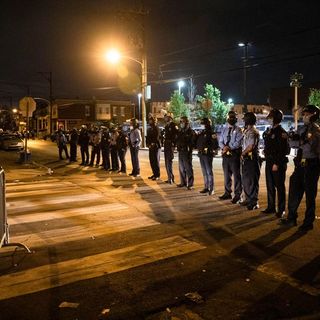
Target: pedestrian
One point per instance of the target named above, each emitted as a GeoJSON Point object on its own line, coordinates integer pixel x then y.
{"type": "Point", "coordinates": [122, 145]}
{"type": "Point", "coordinates": [95, 140]}
{"type": "Point", "coordinates": [169, 141]}
{"type": "Point", "coordinates": [134, 143]}
{"type": "Point", "coordinates": [230, 143]}
{"type": "Point", "coordinates": [62, 144]}
{"type": "Point", "coordinates": [276, 149]}
{"type": "Point", "coordinates": [304, 179]}
{"type": "Point", "coordinates": [185, 143]}
{"type": "Point", "coordinates": [105, 147]}
{"type": "Point", "coordinates": [154, 145]}
{"type": "Point", "coordinates": [207, 145]}
{"type": "Point", "coordinates": [250, 162]}
{"type": "Point", "coordinates": [83, 141]}
{"type": "Point", "coordinates": [114, 149]}
{"type": "Point", "coordinates": [73, 145]}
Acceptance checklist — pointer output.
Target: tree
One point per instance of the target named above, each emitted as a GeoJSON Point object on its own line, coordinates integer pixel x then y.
{"type": "Point", "coordinates": [314, 97]}
{"type": "Point", "coordinates": [211, 106]}
{"type": "Point", "coordinates": [177, 105]}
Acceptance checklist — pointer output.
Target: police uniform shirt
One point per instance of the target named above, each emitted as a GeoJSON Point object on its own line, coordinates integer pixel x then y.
{"type": "Point", "coordinates": [153, 136]}
{"type": "Point", "coordinates": [276, 146]}
{"type": "Point", "coordinates": [236, 137]}
{"type": "Point", "coordinates": [135, 138]}
{"type": "Point", "coordinates": [310, 141]}
{"type": "Point", "coordinates": [185, 139]}
{"type": "Point", "coordinates": [207, 139]}
{"type": "Point", "coordinates": [250, 137]}
{"type": "Point", "coordinates": [170, 132]}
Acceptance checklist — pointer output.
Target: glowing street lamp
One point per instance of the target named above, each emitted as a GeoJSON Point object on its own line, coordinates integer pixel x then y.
{"type": "Point", "coordinates": [114, 57]}
{"type": "Point", "coordinates": [180, 85]}
{"type": "Point", "coordinates": [244, 45]}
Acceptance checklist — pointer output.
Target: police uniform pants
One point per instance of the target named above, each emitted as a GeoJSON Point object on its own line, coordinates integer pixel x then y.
{"type": "Point", "coordinates": [231, 167]}
{"type": "Point", "coordinates": [84, 149]}
{"type": "Point", "coordinates": [168, 160]}
{"type": "Point", "coordinates": [275, 181]}
{"type": "Point", "coordinates": [106, 158]}
{"type": "Point", "coordinates": [154, 159]}
{"type": "Point", "coordinates": [185, 168]}
{"type": "Point", "coordinates": [122, 157]}
{"type": "Point", "coordinates": [73, 151]}
{"type": "Point", "coordinates": [95, 151]}
{"type": "Point", "coordinates": [114, 158]}
{"type": "Point", "coordinates": [250, 180]}
{"type": "Point", "coordinates": [304, 180]}
{"type": "Point", "coordinates": [134, 151]}
{"type": "Point", "coordinates": [206, 167]}
{"type": "Point", "coordinates": [64, 148]}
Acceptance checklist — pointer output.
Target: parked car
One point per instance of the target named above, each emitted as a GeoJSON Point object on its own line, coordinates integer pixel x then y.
{"type": "Point", "coordinates": [11, 142]}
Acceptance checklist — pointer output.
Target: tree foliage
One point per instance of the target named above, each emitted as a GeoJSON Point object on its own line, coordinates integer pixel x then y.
{"type": "Point", "coordinates": [178, 106]}
{"type": "Point", "coordinates": [211, 106]}
{"type": "Point", "coordinates": [314, 97]}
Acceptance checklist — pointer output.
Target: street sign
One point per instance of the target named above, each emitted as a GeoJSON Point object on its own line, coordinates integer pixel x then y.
{"type": "Point", "coordinates": [27, 105]}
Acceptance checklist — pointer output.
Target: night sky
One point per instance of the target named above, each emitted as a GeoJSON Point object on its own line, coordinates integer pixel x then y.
{"type": "Point", "coordinates": [183, 38]}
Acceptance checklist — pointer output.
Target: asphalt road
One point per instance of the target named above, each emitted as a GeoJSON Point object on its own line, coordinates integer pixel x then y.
{"type": "Point", "coordinates": [108, 246]}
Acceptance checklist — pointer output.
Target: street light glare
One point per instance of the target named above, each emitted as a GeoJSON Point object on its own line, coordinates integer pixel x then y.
{"type": "Point", "coordinates": [181, 83]}
{"type": "Point", "coordinates": [241, 44]}
{"type": "Point", "coordinates": [113, 56]}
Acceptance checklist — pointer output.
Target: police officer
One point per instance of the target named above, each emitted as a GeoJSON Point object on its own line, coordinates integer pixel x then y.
{"type": "Point", "coordinates": [62, 144]}
{"type": "Point", "coordinates": [134, 143]}
{"type": "Point", "coordinates": [95, 140]}
{"type": "Point", "coordinates": [169, 140]}
{"type": "Point", "coordinates": [114, 149]}
{"type": "Point", "coordinates": [250, 161]}
{"type": "Point", "coordinates": [305, 177]}
{"type": "Point", "coordinates": [230, 143]}
{"type": "Point", "coordinates": [84, 145]}
{"type": "Point", "coordinates": [276, 149]}
{"type": "Point", "coordinates": [207, 145]}
{"type": "Point", "coordinates": [185, 143]}
{"type": "Point", "coordinates": [154, 144]}
{"type": "Point", "coordinates": [122, 145]}
{"type": "Point", "coordinates": [105, 148]}
{"type": "Point", "coordinates": [73, 145]}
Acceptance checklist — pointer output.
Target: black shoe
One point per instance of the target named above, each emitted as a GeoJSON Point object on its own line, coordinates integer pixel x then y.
{"type": "Point", "coordinates": [130, 174]}
{"type": "Point", "coordinates": [268, 210]}
{"type": "Point", "coordinates": [180, 185]}
{"type": "Point", "coordinates": [210, 192]}
{"type": "Point", "coordinates": [169, 181]}
{"type": "Point", "coordinates": [225, 196]}
{"type": "Point", "coordinates": [305, 227]}
{"type": "Point", "coordinates": [151, 177]}
{"type": "Point", "coordinates": [155, 178]}
{"type": "Point", "coordinates": [235, 199]}
{"type": "Point", "coordinates": [205, 190]}
{"type": "Point", "coordinates": [190, 188]}
{"type": "Point", "coordinates": [252, 206]}
{"type": "Point", "coordinates": [287, 223]}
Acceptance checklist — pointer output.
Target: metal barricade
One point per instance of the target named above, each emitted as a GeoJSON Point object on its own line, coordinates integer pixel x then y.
{"type": "Point", "coordinates": [4, 227]}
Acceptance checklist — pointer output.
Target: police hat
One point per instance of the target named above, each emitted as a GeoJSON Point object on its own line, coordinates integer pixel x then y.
{"type": "Point", "coordinates": [276, 115]}
{"type": "Point", "coordinates": [312, 109]}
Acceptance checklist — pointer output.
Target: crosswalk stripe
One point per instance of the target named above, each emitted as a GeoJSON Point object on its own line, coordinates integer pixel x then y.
{"type": "Point", "coordinates": [111, 209]}
{"type": "Point", "coordinates": [40, 192]}
{"type": "Point", "coordinates": [66, 272]}
{"type": "Point", "coordinates": [16, 206]}
{"type": "Point", "coordinates": [25, 187]}
{"type": "Point", "coordinates": [85, 231]}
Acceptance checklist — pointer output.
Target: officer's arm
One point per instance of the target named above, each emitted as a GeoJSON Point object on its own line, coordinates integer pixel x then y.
{"type": "Point", "coordinates": [237, 142]}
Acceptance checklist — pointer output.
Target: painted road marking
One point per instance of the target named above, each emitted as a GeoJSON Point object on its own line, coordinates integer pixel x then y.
{"type": "Point", "coordinates": [66, 272]}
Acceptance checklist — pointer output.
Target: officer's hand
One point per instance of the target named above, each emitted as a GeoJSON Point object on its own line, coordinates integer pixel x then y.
{"type": "Point", "coordinates": [275, 168]}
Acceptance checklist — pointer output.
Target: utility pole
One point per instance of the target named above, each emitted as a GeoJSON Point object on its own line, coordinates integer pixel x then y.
{"type": "Point", "coordinates": [48, 76]}
{"type": "Point", "coordinates": [295, 82]}
{"type": "Point", "coordinates": [245, 66]}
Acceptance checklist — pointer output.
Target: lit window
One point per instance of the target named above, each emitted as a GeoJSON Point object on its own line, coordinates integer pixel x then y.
{"type": "Point", "coordinates": [114, 111]}
{"type": "Point", "coordinates": [122, 112]}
